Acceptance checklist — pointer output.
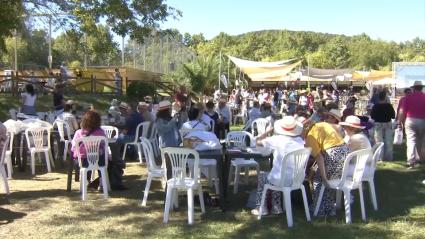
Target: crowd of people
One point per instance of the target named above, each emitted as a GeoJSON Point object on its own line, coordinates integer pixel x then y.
{"type": "Point", "coordinates": [298, 118]}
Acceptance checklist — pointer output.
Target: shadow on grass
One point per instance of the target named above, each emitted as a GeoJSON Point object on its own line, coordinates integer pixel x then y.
{"type": "Point", "coordinates": [7, 216]}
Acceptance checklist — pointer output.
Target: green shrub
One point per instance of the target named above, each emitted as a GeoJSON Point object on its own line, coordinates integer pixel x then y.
{"type": "Point", "coordinates": [139, 89]}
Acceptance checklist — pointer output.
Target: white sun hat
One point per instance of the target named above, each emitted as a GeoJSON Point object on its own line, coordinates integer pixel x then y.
{"type": "Point", "coordinates": [288, 126]}
{"type": "Point", "coordinates": [352, 121]}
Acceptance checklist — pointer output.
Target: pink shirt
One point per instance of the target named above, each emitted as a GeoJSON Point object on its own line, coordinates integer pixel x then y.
{"type": "Point", "coordinates": [414, 105]}
{"type": "Point", "coordinates": [80, 134]}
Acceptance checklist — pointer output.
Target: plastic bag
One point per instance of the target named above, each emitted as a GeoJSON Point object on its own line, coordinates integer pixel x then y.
{"type": "Point", "coordinates": [398, 136]}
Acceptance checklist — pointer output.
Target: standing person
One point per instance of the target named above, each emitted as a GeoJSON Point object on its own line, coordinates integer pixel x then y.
{"type": "Point", "coordinates": [118, 82]}
{"type": "Point", "coordinates": [382, 113]}
{"type": "Point", "coordinates": [412, 115]}
{"type": "Point", "coordinates": [310, 101]}
{"type": "Point", "coordinates": [210, 112]}
{"type": "Point", "coordinates": [28, 100]}
{"type": "Point", "coordinates": [223, 123]}
{"type": "Point", "coordinates": [58, 100]}
{"type": "Point", "coordinates": [303, 100]}
{"type": "Point", "coordinates": [407, 92]}
{"type": "Point", "coordinates": [63, 72]}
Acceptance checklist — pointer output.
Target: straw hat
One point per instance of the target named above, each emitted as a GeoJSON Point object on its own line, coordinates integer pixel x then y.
{"type": "Point", "coordinates": [165, 104]}
{"type": "Point", "coordinates": [288, 126]}
{"type": "Point", "coordinates": [335, 113]}
{"type": "Point", "coordinates": [417, 83]}
{"type": "Point", "coordinates": [352, 121]}
{"type": "Point", "coordinates": [123, 105]}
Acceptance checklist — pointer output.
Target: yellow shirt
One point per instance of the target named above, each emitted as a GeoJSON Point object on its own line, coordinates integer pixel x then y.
{"type": "Point", "coordinates": [322, 136]}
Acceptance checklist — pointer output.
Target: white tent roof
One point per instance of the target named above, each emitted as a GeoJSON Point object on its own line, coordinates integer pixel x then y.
{"type": "Point", "coordinates": [265, 71]}
{"type": "Point", "coordinates": [385, 81]}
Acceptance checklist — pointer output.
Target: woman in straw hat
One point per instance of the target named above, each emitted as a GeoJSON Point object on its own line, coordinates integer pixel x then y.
{"type": "Point", "coordinates": [167, 126]}
{"type": "Point", "coordinates": [329, 152]}
{"type": "Point", "coordinates": [286, 139]}
{"type": "Point", "coordinates": [354, 136]}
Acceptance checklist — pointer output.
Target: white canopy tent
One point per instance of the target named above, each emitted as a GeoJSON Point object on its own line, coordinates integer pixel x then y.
{"type": "Point", "coordinates": [265, 71]}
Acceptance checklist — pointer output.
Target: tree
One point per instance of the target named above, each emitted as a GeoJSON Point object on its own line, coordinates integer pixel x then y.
{"type": "Point", "coordinates": [101, 48]}
{"type": "Point", "coordinates": [10, 18]}
{"type": "Point", "coordinates": [135, 18]}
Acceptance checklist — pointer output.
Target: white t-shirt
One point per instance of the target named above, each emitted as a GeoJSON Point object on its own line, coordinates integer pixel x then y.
{"type": "Point", "coordinates": [196, 124]}
{"type": "Point", "coordinates": [282, 145]}
{"type": "Point", "coordinates": [303, 100]}
{"type": "Point", "coordinates": [29, 99]}
{"type": "Point", "coordinates": [357, 142]}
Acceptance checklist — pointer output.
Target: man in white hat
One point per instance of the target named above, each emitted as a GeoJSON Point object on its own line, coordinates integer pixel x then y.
{"type": "Point", "coordinates": [354, 136]}
{"type": "Point", "coordinates": [286, 139]}
{"type": "Point", "coordinates": [412, 116]}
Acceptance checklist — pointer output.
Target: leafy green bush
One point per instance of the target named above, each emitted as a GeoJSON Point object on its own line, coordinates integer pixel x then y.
{"type": "Point", "coordinates": [139, 89]}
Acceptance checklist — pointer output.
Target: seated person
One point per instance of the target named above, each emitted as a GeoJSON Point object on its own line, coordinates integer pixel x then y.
{"type": "Point", "coordinates": [167, 125]}
{"type": "Point", "coordinates": [195, 121]}
{"type": "Point", "coordinates": [286, 139]}
{"type": "Point", "coordinates": [69, 118]}
{"type": "Point", "coordinates": [132, 120]}
{"type": "Point", "coordinates": [329, 151]}
{"type": "Point", "coordinates": [90, 126]}
{"type": "Point", "coordinates": [143, 110]}
{"type": "Point", "coordinates": [128, 132]}
{"type": "Point", "coordinates": [114, 113]}
{"type": "Point", "coordinates": [354, 136]}
{"type": "Point", "coordinates": [212, 114]}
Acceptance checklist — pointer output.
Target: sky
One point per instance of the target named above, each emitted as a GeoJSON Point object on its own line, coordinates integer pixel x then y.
{"type": "Point", "coordinates": [391, 20]}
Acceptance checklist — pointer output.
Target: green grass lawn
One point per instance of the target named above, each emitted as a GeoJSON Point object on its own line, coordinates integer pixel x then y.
{"type": "Point", "coordinates": [40, 207]}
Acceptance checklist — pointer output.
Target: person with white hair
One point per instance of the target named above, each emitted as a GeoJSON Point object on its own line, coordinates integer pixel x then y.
{"type": "Point", "coordinates": [286, 138]}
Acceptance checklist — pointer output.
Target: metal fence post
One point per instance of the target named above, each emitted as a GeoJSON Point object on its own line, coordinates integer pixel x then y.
{"type": "Point", "coordinates": [91, 83]}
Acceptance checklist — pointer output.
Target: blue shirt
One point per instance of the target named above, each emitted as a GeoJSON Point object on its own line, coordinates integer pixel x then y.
{"type": "Point", "coordinates": [131, 123]}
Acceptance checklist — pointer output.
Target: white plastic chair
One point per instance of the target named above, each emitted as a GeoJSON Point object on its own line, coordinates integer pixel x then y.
{"type": "Point", "coordinates": [155, 141]}
{"type": "Point", "coordinates": [346, 183]}
{"type": "Point", "coordinates": [369, 173]}
{"type": "Point", "coordinates": [154, 171]}
{"type": "Point", "coordinates": [179, 158]}
{"type": "Point", "coordinates": [145, 128]}
{"type": "Point", "coordinates": [8, 154]}
{"type": "Point", "coordinates": [36, 141]}
{"type": "Point", "coordinates": [65, 137]}
{"type": "Point", "coordinates": [238, 139]}
{"type": "Point", "coordinates": [260, 125]}
{"type": "Point", "coordinates": [298, 160]}
{"type": "Point", "coordinates": [92, 146]}
{"type": "Point", "coordinates": [208, 167]}
{"type": "Point", "coordinates": [2, 159]}
{"type": "Point", "coordinates": [111, 132]}
{"type": "Point", "coordinates": [13, 114]}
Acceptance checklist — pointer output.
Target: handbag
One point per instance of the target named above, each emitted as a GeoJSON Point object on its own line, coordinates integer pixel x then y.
{"type": "Point", "coordinates": [398, 136]}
